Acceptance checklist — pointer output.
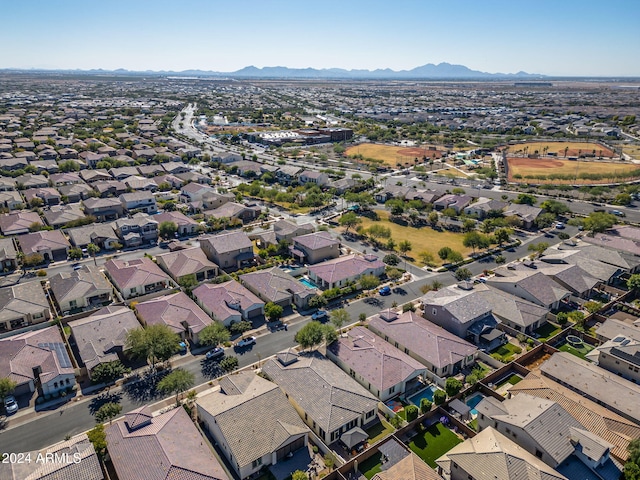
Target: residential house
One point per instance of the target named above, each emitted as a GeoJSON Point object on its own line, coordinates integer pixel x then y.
{"type": "Point", "coordinates": [75, 192]}
{"type": "Point", "coordinates": [83, 289]}
{"type": "Point", "coordinates": [620, 355]}
{"type": "Point", "coordinates": [120, 173]}
{"type": "Point", "coordinates": [19, 222]}
{"type": "Point", "coordinates": [137, 183]}
{"type": "Point", "coordinates": [531, 285]}
{"type": "Point", "coordinates": [377, 365]}
{"type": "Point", "coordinates": [275, 285]}
{"type": "Point", "coordinates": [51, 244]}
{"type": "Point", "coordinates": [194, 177]}
{"type": "Point", "coordinates": [150, 170]}
{"type": "Point", "coordinates": [136, 277]}
{"type": "Point", "coordinates": [102, 336]}
{"type": "Point", "coordinates": [175, 167]}
{"type": "Point", "coordinates": [491, 455]}
{"type": "Point", "coordinates": [37, 360]}
{"type": "Point", "coordinates": [245, 213]}
{"type": "Point", "coordinates": [230, 251]}
{"type": "Point", "coordinates": [315, 247]}
{"type": "Point", "coordinates": [464, 311]}
{"type": "Point", "coordinates": [138, 230]}
{"type": "Point", "coordinates": [287, 174]}
{"type": "Point", "coordinates": [228, 302]}
{"type": "Point", "coordinates": [287, 229]}
{"type": "Point", "coordinates": [173, 181]}
{"type": "Point", "coordinates": [98, 175]}
{"type": "Point", "coordinates": [442, 352]}
{"type": "Point", "coordinates": [194, 192]}
{"type": "Point", "coordinates": [186, 225]}
{"type": "Point", "coordinates": [166, 446]}
{"type": "Point", "coordinates": [457, 202]}
{"type": "Point", "coordinates": [595, 383]}
{"type": "Point", "coordinates": [311, 176]}
{"type": "Point", "coordinates": [103, 209]}
{"type": "Point", "coordinates": [67, 178]}
{"type": "Point", "coordinates": [8, 255]}
{"type": "Point", "coordinates": [23, 304]}
{"type": "Point", "coordinates": [484, 207]}
{"type": "Point", "coordinates": [527, 213]}
{"type": "Point", "coordinates": [188, 262]}
{"type": "Point", "coordinates": [400, 462]}
{"type": "Point", "coordinates": [111, 188]}
{"type": "Point", "coordinates": [343, 270]}
{"type": "Point", "coordinates": [60, 215]}
{"type": "Point", "coordinates": [73, 459]}
{"type": "Point", "coordinates": [47, 195]}
{"type": "Point", "coordinates": [29, 180]}
{"type": "Point", "coordinates": [246, 402]}
{"type": "Point", "coordinates": [327, 399]}
{"type": "Point", "coordinates": [548, 431]}
{"type": "Point", "coordinates": [11, 200]}
{"type": "Point", "coordinates": [139, 202]}
{"type": "Point", "coordinates": [178, 312]}
{"type": "Point", "coordinates": [101, 234]}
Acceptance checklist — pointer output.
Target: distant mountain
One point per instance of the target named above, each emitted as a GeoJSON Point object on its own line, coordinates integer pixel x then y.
{"type": "Point", "coordinates": [428, 71]}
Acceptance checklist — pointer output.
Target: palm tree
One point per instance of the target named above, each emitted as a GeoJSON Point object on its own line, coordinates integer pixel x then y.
{"type": "Point", "coordinates": [93, 249]}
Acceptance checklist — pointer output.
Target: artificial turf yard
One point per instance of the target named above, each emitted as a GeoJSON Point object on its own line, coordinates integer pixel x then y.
{"type": "Point", "coordinates": [422, 239]}
{"type": "Point", "coordinates": [433, 443]}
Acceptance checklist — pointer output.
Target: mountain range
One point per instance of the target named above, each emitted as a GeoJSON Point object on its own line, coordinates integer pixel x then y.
{"type": "Point", "coordinates": [428, 71]}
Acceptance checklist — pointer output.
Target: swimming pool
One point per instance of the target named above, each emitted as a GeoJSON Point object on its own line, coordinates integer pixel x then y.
{"type": "Point", "coordinates": [307, 283]}
{"type": "Point", "coordinates": [473, 401]}
{"type": "Point", "coordinates": [425, 393]}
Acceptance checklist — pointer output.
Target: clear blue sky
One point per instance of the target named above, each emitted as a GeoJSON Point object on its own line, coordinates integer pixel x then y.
{"type": "Point", "coordinates": [553, 37]}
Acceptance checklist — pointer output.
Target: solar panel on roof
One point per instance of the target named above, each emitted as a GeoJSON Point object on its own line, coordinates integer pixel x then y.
{"type": "Point", "coordinates": [626, 342]}
{"type": "Point", "coordinates": [618, 339]}
{"type": "Point", "coordinates": [60, 351]}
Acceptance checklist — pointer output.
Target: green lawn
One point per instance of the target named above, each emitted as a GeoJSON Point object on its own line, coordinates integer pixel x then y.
{"type": "Point", "coordinates": [473, 424]}
{"type": "Point", "coordinates": [547, 331]}
{"type": "Point", "coordinates": [507, 352]}
{"type": "Point", "coordinates": [513, 379]}
{"type": "Point", "coordinates": [370, 466]}
{"type": "Point", "coordinates": [379, 431]}
{"type": "Point", "coordinates": [433, 443]}
{"type": "Point", "coordinates": [580, 352]}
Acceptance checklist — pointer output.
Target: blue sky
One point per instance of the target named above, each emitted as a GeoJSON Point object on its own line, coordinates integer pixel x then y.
{"type": "Point", "coordinates": [552, 37]}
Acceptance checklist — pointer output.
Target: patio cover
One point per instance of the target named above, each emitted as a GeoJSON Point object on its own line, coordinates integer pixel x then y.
{"type": "Point", "coordinates": [462, 408]}
{"type": "Point", "coordinates": [354, 437]}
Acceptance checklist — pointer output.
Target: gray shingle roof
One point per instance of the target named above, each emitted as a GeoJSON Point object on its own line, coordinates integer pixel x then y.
{"type": "Point", "coordinates": [85, 282]}
{"type": "Point", "coordinates": [328, 395]}
{"type": "Point", "coordinates": [22, 299]}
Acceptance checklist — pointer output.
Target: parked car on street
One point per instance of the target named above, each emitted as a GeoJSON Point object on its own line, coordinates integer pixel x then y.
{"type": "Point", "coordinates": [246, 342]}
{"type": "Point", "coordinates": [215, 354]}
{"type": "Point", "coordinates": [10, 404]}
{"type": "Point", "coordinates": [320, 315]}
{"type": "Point", "coordinates": [386, 290]}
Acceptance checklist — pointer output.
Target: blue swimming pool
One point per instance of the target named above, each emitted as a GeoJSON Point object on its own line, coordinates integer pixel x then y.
{"type": "Point", "coordinates": [473, 401]}
{"type": "Point", "coordinates": [307, 283]}
{"type": "Point", "coordinates": [426, 393]}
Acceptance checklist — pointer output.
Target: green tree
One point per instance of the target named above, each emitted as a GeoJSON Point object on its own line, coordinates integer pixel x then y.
{"type": "Point", "coordinates": [314, 333]}
{"type": "Point", "coordinates": [339, 318]}
{"type": "Point", "coordinates": [214, 334]}
{"type": "Point", "coordinates": [463, 274]}
{"type": "Point", "coordinates": [452, 386]}
{"type": "Point", "coordinates": [578, 318]}
{"type": "Point", "coordinates": [562, 318]}
{"type": "Point", "coordinates": [598, 222]}
{"type": "Point", "coordinates": [32, 260]}
{"type": "Point", "coordinates": [7, 386]}
{"type": "Point", "coordinates": [367, 282]}
{"type": "Point", "coordinates": [75, 253]}
{"type": "Point", "coordinates": [93, 250]}
{"type": "Point", "coordinates": [526, 199]}
{"type": "Point", "coordinates": [426, 257]}
{"type": "Point", "coordinates": [391, 259]}
{"type": "Point", "coordinates": [188, 282]}
{"type": "Point", "coordinates": [299, 475]}
{"type": "Point", "coordinates": [393, 274]}
{"type": "Point", "coordinates": [377, 231]}
{"type": "Point", "coordinates": [502, 235]}
{"type": "Point", "coordinates": [444, 252]}
{"type": "Point", "coordinates": [98, 437]}
{"type": "Point", "coordinates": [108, 411]}
{"type": "Point", "coordinates": [349, 220]}
{"type": "Point", "coordinates": [433, 218]}
{"type": "Point", "coordinates": [468, 225]}
{"type": "Point", "coordinates": [475, 240]}
{"type": "Point", "coordinates": [633, 282]}
{"type": "Point", "coordinates": [154, 343]}
{"type": "Point", "coordinates": [454, 257]}
{"type": "Point", "coordinates": [273, 312]}
{"type": "Point", "coordinates": [167, 229]}
{"type": "Point", "coordinates": [592, 306]}
{"type": "Point", "coordinates": [240, 327]}
{"type": "Point", "coordinates": [229, 364]}
{"type": "Point", "coordinates": [318, 301]}
{"type": "Point", "coordinates": [404, 246]}
{"type": "Point", "coordinates": [176, 382]}
{"type": "Point", "coordinates": [411, 412]}
{"type": "Point", "coordinates": [623, 199]}
{"type": "Point", "coordinates": [425, 405]}
{"type": "Point", "coordinates": [108, 372]}
{"type": "Point", "coordinates": [554, 206]}
{"type": "Point", "coordinates": [538, 248]}
{"type": "Point", "coordinates": [439, 397]}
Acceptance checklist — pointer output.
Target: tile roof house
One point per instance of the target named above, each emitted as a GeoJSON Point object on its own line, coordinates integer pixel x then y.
{"type": "Point", "coordinates": [51, 244]}
{"type": "Point", "coordinates": [597, 419]}
{"type": "Point", "coordinates": [23, 304]}
{"type": "Point", "coordinates": [80, 290]}
{"type": "Point", "coordinates": [620, 355]}
{"type": "Point", "coordinates": [571, 277]}
{"type": "Point", "coordinates": [11, 199]}
{"type": "Point", "coordinates": [492, 456]}
{"type": "Point", "coordinates": [342, 270]}
{"type": "Point", "coordinates": [186, 225]}
{"type": "Point", "coordinates": [315, 247]}
{"type": "Point", "coordinates": [139, 201]}
{"type": "Point", "coordinates": [47, 195]}
{"type": "Point", "coordinates": [287, 229]}
{"type": "Point", "coordinates": [527, 213]}
{"type": "Point", "coordinates": [228, 302]}
{"type": "Point", "coordinates": [275, 285]}
{"type": "Point", "coordinates": [178, 312]}
{"type": "Point", "coordinates": [619, 395]}
{"type": "Point", "coordinates": [101, 337]}
{"type": "Point", "coordinates": [531, 285]}
{"type": "Point", "coordinates": [190, 261]}
{"type": "Point", "coordinates": [193, 192]}
{"type": "Point", "coordinates": [377, 365]}
{"type": "Point", "coordinates": [8, 255]}
{"type": "Point", "coordinates": [37, 359]}
{"type": "Point", "coordinates": [234, 210]}
{"type": "Point", "coordinates": [457, 202]}
{"type": "Point", "coordinates": [252, 422]}
{"type": "Point", "coordinates": [73, 459]}
{"type": "Point", "coordinates": [137, 230]}
{"type": "Point", "coordinates": [229, 251]}
{"type": "Point", "coordinates": [19, 222]}
{"type": "Point", "coordinates": [136, 277]}
{"type": "Point", "coordinates": [101, 234]}
{"type": "Point", "coordinates": [104, 209]}
{"type": "Point", "coordinates": [60, 215]}
{"type": "Point", "coordinates": [330, 402]}
{"type": "Point", "coordinates": [163, 447]}
{"type": "Point", "coordinates": [311, 176]}
{"type": "Point", "coordinates": [483, 206]}
{"type": "Point", "coordinates": [548, 431]}
{"type": "Point", "coordinates": [443, 353]}
{"type": "Point", "coordinates": [29, 180]}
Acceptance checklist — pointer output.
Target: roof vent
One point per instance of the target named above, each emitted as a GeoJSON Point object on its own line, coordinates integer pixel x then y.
{"type": "Point", "coordinates": [388, 315]}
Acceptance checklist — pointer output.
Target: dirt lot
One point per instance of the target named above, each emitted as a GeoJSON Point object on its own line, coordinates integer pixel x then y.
{"type": "Point", "coordinates": [391, 154]}
{"type": "Point", "coordinates": [530, 167]}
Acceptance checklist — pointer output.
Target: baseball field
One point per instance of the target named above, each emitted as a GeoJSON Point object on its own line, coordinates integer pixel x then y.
{"type": "Point", "coordinates": [392, 155]}
{"type": "Point", "coordinates": [563, 149]}
{"type": "Point", "coordinates": [553, 170]}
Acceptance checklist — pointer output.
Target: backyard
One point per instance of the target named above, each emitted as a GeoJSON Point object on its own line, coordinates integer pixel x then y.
{"type": "Point", "coordinates": [579, 351]}
{"type": "Point", "coordinates": [422, 239]}
{"type": "Point", "coordinates": [379, 431]}
{"type": "Point", "coordinates": [547, 331]}
{"type": "Point", "coordinates": [370, 466]}
{"type": "Point", "coordinates": [433, 443]}
{"type": "Point", "coordinates": [506, 352]}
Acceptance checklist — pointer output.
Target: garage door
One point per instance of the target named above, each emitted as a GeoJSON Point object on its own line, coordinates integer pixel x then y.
{"type": "Point", "coordinates": [292, 447]}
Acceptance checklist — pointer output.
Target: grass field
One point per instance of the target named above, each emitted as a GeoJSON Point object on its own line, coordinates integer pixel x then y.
{"type": "Point", "coordinates": [574, 148]}
{"type": "Point", "coordinates": [532, 167]}
{"type": "Point", "coordinates": [371, 466]}
{"type": "Point", "coordinates": [433, 443]}
{"type": "Point", "coordinates": [632, 150]}
{"type": "Point", "coordinates": [451, 172]}
{"type": "Point", "coordinates": [422, 239]}
{"type": "Point", "coordinates": [391, 154]}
